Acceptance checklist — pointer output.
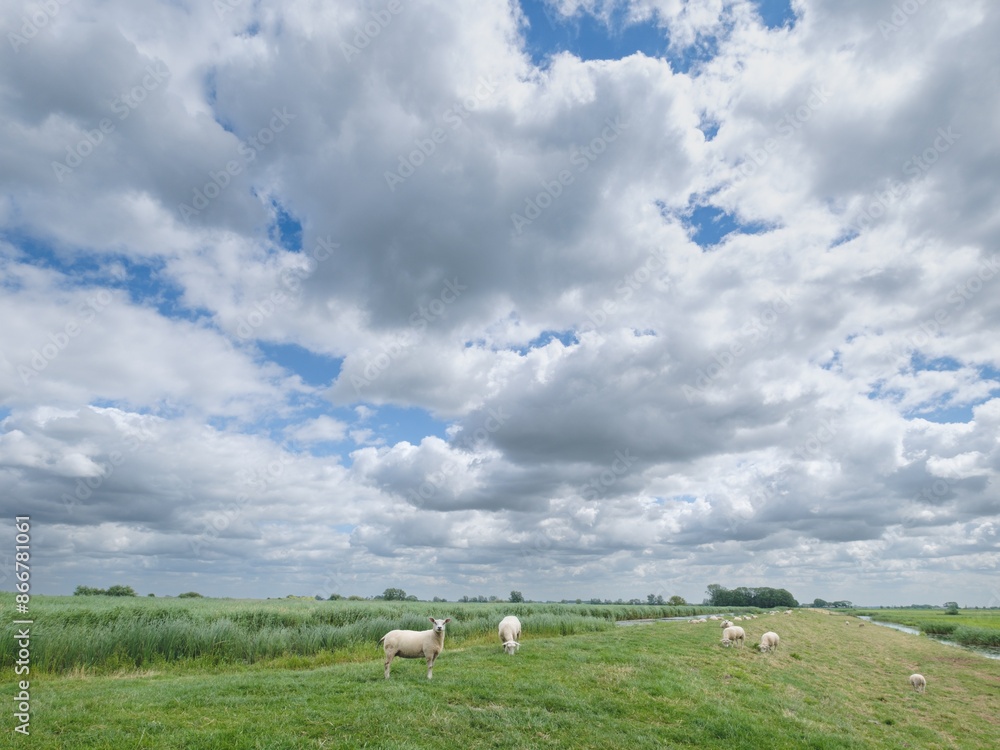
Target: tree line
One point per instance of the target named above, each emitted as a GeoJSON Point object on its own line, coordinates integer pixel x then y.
{"type": "Point", "coordinates": [763, 597]}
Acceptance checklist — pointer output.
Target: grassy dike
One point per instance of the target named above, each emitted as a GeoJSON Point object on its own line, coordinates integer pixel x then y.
{"type": "Point", "coordinates": [830, 685]}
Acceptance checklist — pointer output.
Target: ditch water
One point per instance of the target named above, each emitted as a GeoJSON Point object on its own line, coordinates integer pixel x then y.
{"type": "Point", "coordinates": [987, 652]}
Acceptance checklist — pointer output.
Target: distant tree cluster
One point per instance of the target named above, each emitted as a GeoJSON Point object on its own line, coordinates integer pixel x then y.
{"type": "Point", "coordinates": [842, 604]}
{"type": "Point", "coordinates": [110, 591]}
{"type": "Point", "coordinates": [190, 595]}
{"type": "Point", "coordinates": [743, 596]}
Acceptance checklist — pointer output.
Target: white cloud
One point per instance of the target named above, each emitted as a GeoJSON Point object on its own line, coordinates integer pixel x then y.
{"type": "Point", "coordinates": [583, 390]}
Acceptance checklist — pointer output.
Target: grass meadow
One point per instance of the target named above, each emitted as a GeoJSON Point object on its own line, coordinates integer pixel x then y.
{"type": "Point", "coordinates": [578, 681]}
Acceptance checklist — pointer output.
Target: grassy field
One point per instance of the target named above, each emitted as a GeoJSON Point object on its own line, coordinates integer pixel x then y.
{"type": "Point", "coordinates": [970, 627]}
{"type": "Point", "coordinates": [667, 684]}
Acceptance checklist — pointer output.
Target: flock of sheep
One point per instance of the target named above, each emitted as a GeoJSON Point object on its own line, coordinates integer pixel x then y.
{"type": "Point", "coordinates": [733, 633]}
{"type": "Point", "coordinates": [428, 644]}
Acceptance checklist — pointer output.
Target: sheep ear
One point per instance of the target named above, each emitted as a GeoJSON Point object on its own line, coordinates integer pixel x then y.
{"type": "Point", "coordinates": [432, 620]}
{"type": "Point", "coordinates": [448, 620]}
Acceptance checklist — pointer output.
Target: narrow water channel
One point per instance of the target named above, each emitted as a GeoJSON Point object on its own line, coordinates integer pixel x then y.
{"type": "Point", "coordinates": [988, 653]}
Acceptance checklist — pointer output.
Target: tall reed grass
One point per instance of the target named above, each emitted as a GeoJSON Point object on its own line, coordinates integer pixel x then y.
{"type": "Point", "coordinates": [110, 634]}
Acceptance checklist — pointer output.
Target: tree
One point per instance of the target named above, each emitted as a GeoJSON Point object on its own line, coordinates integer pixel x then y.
{"type": "Point", "coordinates": [335, 597]}
{"type": "Point", "coordinates": [88, 591]}
{"type": "Point", "coordinates": [713, 592]}
{"type": "Point", "coordinates": [516, 597]}
{"type": "Point", "coordinates": [394, 595]}
{"type": "Point", "coordinates": [952, 608]}
{"type": "Point", "coordinates": [820, 603]}
{"type": "Point", "coordinates": [763, 597]}
{"type": "Point", "coordinates": [190, 595]}
{"type": "Point", "coordinates": [677, 601]}
{"type": "Point", "coordinates": [121, 591]}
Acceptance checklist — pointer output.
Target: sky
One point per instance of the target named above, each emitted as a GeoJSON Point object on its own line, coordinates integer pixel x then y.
{"type": "Point", "coordinates": [579, 298]}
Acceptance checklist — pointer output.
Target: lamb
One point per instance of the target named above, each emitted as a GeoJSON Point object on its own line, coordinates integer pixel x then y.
{"type": "Point", "coordinates": [734, 633]}
{"type": "Point", "coordinates": [918, 682]}
{"type": "Point", "coordinates": [768, 642]}
{"type": "Point", "coordinates": [414, 644]}
{"type": "Point", "coordinates": [847, 622]}
{"type": "Point", "coordinates": [510, 631]}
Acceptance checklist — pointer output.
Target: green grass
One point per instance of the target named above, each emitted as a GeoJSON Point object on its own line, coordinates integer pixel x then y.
{"type": "Point", "coordinates": [662, 685]}
{"type": "Point", "coordinates": [970, 627]}
{"type": "Point", "coordinates": [101, 634]}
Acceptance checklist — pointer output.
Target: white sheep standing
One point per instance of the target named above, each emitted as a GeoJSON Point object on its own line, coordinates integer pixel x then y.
{"type": "Point", "coordinates": [734, 633]}
{"type": "Point", "coordinates": [510, 632]}
{"type": "Point", "coordinates": [414, 644]}
{"type": "Point", "coordinates": [918, 682]}
{"type": "Point", "coordinates": [769, 642]}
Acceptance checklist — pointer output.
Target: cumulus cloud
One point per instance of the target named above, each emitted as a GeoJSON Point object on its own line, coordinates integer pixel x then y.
{"type": "Point", "coordinates": [304, 297]}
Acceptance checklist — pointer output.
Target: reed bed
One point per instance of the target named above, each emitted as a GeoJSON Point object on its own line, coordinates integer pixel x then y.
{"type": "Point", "coordinates": [109, 634]}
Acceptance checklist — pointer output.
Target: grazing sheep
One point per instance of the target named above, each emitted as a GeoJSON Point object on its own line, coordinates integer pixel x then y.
{"type": "Point", "coordinates": [725, 624]}
{"type": "Point", "coordinates": [788, 612]}
{"type": "Point", "coordinates": [737, 619]}
{"type": "Point", "coordinates": [713, 617]}
{"type": "Point", "coordinates": [768, 642]}
{"type": "Point", "coordinates": [735, 633]}
{"type": "Point", "coordinates": [847, 622]}
{"type": "Point", "coordinates": [414, 644]}
{"type": "Point", "coordinates": [861, 624]}
{"type": "Point", "coordinates": [918, 682]}
{"type": "Point", "coordinates": [510, 631]}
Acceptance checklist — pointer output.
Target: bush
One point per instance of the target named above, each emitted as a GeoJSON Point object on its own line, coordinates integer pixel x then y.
{"type": "Point", "coordinates": [111, 591]}
{"type": "Point", "coordinates": [121, 591]}
{"type": "Point", "coordinates": [189, 595]}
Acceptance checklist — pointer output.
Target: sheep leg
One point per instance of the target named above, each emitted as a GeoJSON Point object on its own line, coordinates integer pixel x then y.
{"type": "Point", "coordinates": [389, 656]}
{"type": "Point", "coordinates": [430, 666]}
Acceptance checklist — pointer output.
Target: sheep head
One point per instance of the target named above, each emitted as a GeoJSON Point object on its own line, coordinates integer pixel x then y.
{"type": "Point", "coordinates": [439, 624]}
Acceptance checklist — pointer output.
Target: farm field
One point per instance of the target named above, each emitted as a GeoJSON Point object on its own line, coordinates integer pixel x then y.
{"type": "Point", "coordinates": [668, 684]}
{"type": "Point", "coordinates": [970, 627]}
